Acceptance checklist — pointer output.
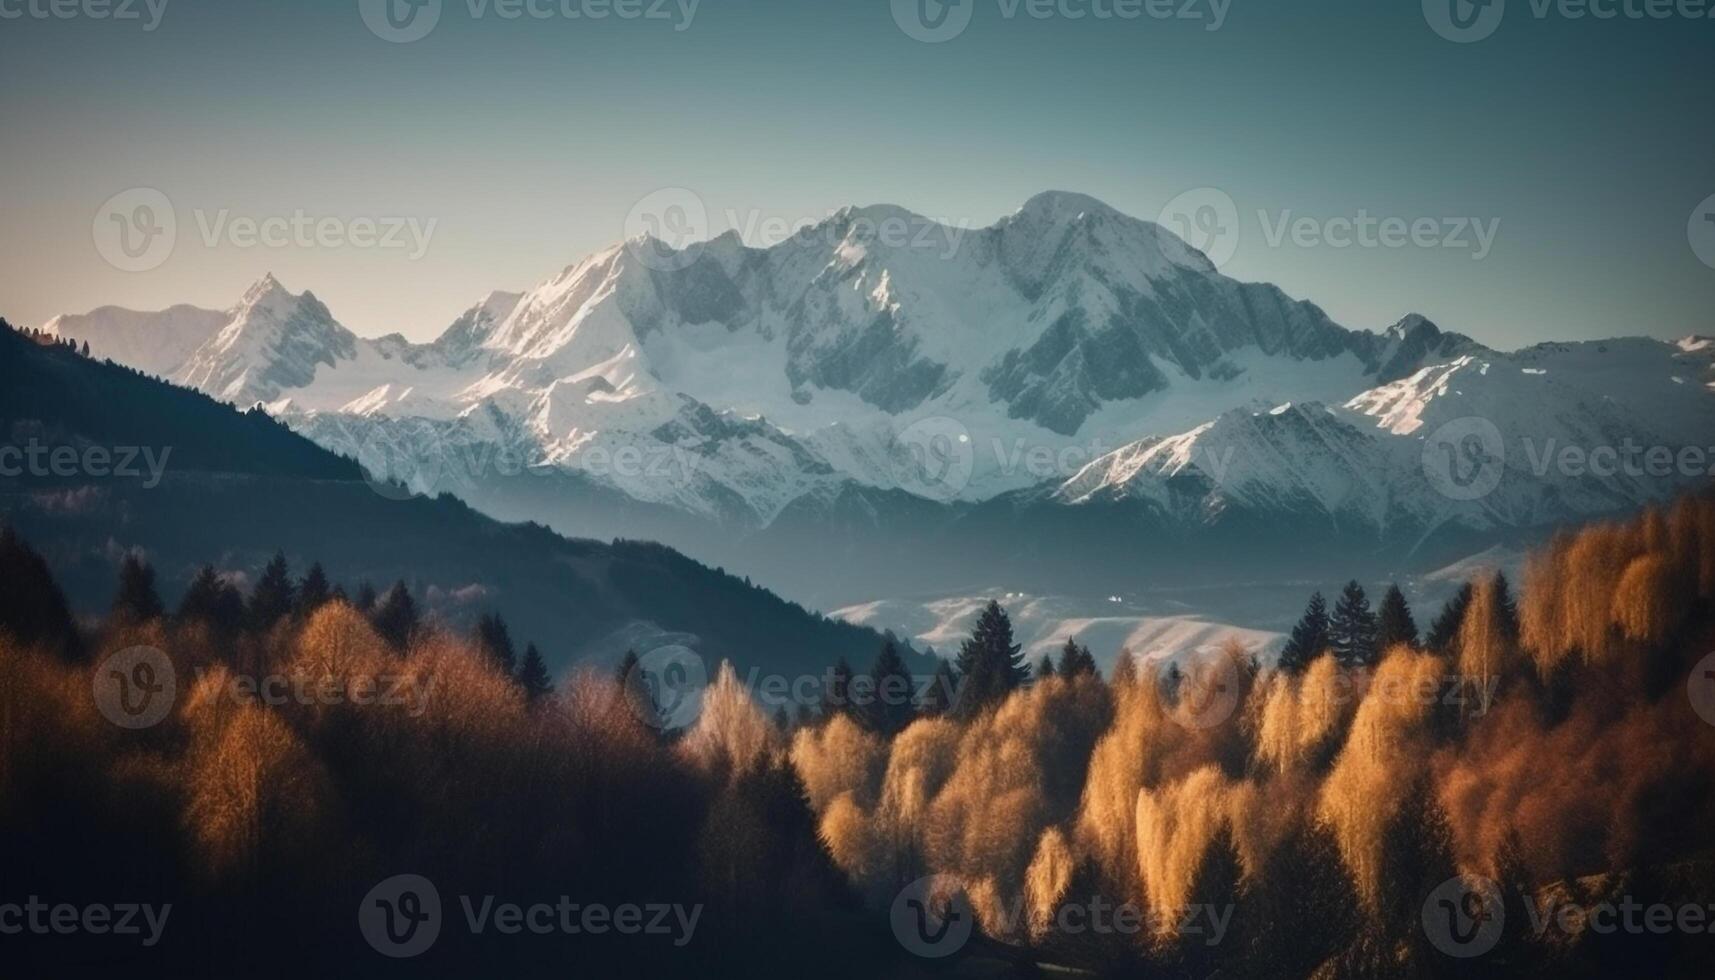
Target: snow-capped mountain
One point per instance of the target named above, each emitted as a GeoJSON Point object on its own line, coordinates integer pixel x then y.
{"type": "Point", "coordinates": [157, 343]}
{"type": "Point", "coordinates": [851, 375]}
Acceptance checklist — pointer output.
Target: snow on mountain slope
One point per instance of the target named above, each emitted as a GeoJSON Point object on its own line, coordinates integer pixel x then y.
{"type": "Point", "coordinates": [1561, 430]}
{"type": "Point", "coordinates": [1042, 624]}
{"type": "Point", "coordinates": [156, 343]}
{"type": "Point", "coordinates": [734, 383]}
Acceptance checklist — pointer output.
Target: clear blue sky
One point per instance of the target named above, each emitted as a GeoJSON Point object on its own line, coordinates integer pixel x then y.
{"type": "Point", "coordinates": [527, 142]}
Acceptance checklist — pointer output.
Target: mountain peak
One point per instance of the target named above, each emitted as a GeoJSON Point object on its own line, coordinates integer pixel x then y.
{"type": "Point", "coordinates": [263, 290]}
{"type": "Point", "coordinates": [1062, 205]}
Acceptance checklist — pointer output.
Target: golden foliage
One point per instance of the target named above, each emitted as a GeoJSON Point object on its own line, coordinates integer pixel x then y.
{"type": "Point", "coordinates": [1385, 748]}
{"type": "Point", "coordinates": [839, 758]}
{"type": "Point", "coordinates": [731, 732]}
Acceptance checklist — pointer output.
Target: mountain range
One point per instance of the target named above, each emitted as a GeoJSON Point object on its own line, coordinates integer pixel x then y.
{"type": "Point", "coordinates": [1048, 401]}
{"type": "Point", "coordinates": [229, 488]}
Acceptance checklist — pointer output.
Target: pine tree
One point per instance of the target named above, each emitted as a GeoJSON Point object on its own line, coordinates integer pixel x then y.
{"type": "Point", "coordinates": [86, 348]}
{"type": "Point", "coordinates": [836, 700]}
{"type": "Point", "coordinates": [273, 596]}
{"type": "Point", "coordinates": [1506, 609]}
{"type": "Point", "coordinates": [1044, 668]}
{"type": "Point", "coordinates": [889, 709]}
{"type": "Point", "coordinates": [313, 591]}
{"type": "Point", "coordinates": [212, 601]}
{"type": "Point", "coordinates": [939, 697]}
{"type": "Point", "coordinates": [1394, 625]}
{"type": "Point", "coordinates": [533, 675]}
{"type": "Point", "coordinates": [1445, 629]}
{"type": "Point", "coordinates": [990, 665]}
{"type": "Point", "coordinates": [1309, 638]}
{"type": "Point", "coordinates": [395, 616]}
{"type": "Point", "coordinates": [366, 599]}
{"type": "Point", "coordinates": [1352, 628]}
{"type": "Point", "coordinates": [32, 607]}
{"type": "Point", "coordinates": [137, 601]}
{"type": "Point", "coordinates": [496, 641]}
{"type": "Point", "coordinates": [1076, 660]}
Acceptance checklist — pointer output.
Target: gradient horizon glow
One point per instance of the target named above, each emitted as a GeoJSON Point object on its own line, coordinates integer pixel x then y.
{"type": "Point", "coordinates": [527, 140]}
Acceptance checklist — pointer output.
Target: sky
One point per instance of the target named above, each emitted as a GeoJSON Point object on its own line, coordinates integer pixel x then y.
{"type": "Point", "coordinates": [1554, 174]}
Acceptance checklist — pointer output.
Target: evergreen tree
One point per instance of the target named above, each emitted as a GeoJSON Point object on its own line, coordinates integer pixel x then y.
{"type": "Point", "coordinates": [395, 616]}
{"type": "Point", "coordinates": [314, 591]}
{"type": "Point", "coordinates": [86, 348]}
{"type": "Point", "coordinates": [1075, 660]}
{"type": "Point", "coordinates": [137, 601]}
{"type": "Point", "coordinates": [496, 641]}
{"type": "Point", "coordinates": [533, 675]}
{"type": "Point", "coordinates": [273, 596]}
{"type": "Point", "coordinates": [939, 697]}
{"type": "Point", "coordinates": [836, 700]}
{"type": "Point", "coordinates": [1352, 628]}
{"type": "Point", "coordinates": [890, 708]}
{"type": "Point", "coordinates": [212, 601]}
{"type": "Point", "coordinates": [1506, 609]}
{"type": "Point", "coordinates": [32, 607]}
{"type": "Point", "coordinates": [1309, 638]}
{"type": "Point", "coordinates": [1216, 889]}
{"type": "Point", "coordinates": [366, 599]}
{"type": "Point", "coordinates": [1445, 628]}
{"type": "Point", "coordinates": [1044, 668]}
{"type": "Point", "coordinates": [990, 665]}
{"type": "Point", "coordinates": [1394, 625]}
